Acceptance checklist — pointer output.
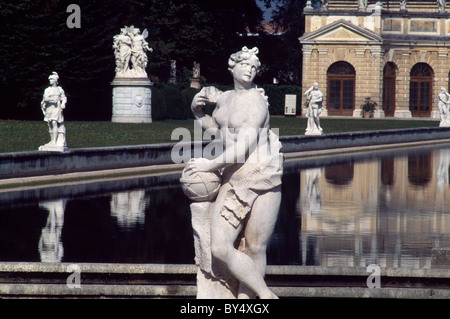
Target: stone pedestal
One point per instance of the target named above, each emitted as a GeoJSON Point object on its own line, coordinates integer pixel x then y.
{"type": "Point", "coordinates": [402, 114]}
{"type": "Point", "coordinates": [53, 148]}
{"type": "Point", "coordinates": [132, 100]}
{"type": "Point", "coordinates": [195, 83]}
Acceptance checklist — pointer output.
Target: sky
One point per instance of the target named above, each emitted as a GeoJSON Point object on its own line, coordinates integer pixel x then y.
{"type": "Point", "coordinates": [267, 12]}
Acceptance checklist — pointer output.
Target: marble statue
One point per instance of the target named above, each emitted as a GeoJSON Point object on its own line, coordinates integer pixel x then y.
{"type": "Point", "coordinates": [402, 4]}
{"type": "Point", "coordinates": [314, 98]}
{"type": "Point", "coordinates": [196, 70]}
{"type": "Point", "coordinates": [362, 5]}
{"type": "Point", "coordinates": [130, 51]}
{"type": "Point", "coordinates": [324, 4]}
{"type": "Point", "coordinates": [443, 106]}
{"type": "Point", "coordinates": [441, 4]}
{"type": "Point", "coordinates": [132, 94]}
{"type": "Point", "coordinates": [173, 71]}
{"type": "Point", "coordinates": [52, 105]}
{"type": "Point", "coordinates": [232, 230]}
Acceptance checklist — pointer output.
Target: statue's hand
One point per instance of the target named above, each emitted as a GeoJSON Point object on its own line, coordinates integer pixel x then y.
{"type": "Point", "coordinates": [198, 102]}
{"type": "Point", "coordinates": [199, 165]}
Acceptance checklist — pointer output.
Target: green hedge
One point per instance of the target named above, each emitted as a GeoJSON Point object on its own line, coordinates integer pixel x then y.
{"type": "Point", "coordinates": [276, 96]}
{"type": "Point", "coordinates": [173, 101]}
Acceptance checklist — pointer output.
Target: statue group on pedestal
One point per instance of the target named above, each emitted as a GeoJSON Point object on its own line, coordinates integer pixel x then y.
{"type": "Point", "coordinates": [130, 47]}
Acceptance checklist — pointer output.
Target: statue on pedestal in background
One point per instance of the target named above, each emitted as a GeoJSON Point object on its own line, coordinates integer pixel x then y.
{"type": "Point", "coordinates": [195, 79]}
{"type": "Point", "coordinates": [236, 194]}
{"type": "Point", "coordinates": [314, 98]}
{"type": "Point", "coordinates": [362, 5]}
{"type": "Point", "coordinates": [132, 95]}
{"type": "Point", "coordinates": [52, 105]}
{"type": "Point", "coordinates": [441, 4]}
{"type": "Point", "coordinates": [402, 4]}
{"type": "Point", "coordinates": [443, 106]}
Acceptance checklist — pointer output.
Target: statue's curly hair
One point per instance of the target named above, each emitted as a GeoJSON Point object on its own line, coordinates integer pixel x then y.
{"type": "Point", "coordinates": [244, 54]}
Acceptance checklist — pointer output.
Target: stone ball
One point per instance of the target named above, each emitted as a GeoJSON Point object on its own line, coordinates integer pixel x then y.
{"type": "Point", "coordinates": [200, 186]}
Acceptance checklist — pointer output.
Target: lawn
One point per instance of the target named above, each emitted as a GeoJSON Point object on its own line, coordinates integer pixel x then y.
{"type": "Point", "coordinates": [18, 136]}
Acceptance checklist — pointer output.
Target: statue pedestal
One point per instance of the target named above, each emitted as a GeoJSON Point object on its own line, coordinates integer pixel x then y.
{"type": "Point", "coordinates": [132, 100]}
{"type": "Point", "coordinates": [53, 148]}
{"type": "Point", "coordinates": [195, 83]}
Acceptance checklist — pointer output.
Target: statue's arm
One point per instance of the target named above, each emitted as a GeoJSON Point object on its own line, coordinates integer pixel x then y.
{"type": "Point", "coordinates": [206, 121]}
{"type": "Point", "coordinates": [63, 98]}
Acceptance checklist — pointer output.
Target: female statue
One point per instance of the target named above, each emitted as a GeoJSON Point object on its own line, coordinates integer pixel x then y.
{"type": "Point", "coordinates": [251, 165]}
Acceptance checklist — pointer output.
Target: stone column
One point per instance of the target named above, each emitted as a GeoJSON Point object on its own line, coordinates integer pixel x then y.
{"type": "Point", "coordinates": [402, 88]}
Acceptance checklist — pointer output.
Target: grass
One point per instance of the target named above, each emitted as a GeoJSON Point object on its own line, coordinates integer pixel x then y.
{"type": "Point", "coordinates": [18, 136]}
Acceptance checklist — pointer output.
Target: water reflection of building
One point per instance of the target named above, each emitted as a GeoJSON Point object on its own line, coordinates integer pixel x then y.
{"type": "Point", "coordinates": [50, 244]}
{"type": "Point", "coordinates": [391, 211]}
{"type": "Point", "coordinates": [129, 208]}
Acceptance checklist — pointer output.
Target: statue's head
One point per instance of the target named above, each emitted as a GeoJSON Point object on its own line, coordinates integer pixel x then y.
{"type": "Point", "coordinates": [315, 85]}
{"type": "Point", "coordinates": [53, 78]}
{"type": "Point", "coordinates": [245, 54]}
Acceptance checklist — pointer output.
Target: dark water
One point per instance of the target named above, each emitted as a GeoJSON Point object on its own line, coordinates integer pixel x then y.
{"type": "Point", "coordinates": [388, 207]}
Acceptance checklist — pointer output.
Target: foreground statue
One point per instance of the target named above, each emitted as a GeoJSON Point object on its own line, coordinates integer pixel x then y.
{"type": "Point", "coordinates": [52, 105]}
{"type": "Point", "coordinates": [314, 98]}
{"type": "Point", "coordinates": [234, 220]}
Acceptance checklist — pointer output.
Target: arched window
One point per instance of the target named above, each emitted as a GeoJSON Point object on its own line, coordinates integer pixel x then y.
{"type": "Point", "coordinates": [389, 77]}
{"type": "Point", "coordinates": [341, 88]}
{"type": "Point", "coordinates": [420, 90]}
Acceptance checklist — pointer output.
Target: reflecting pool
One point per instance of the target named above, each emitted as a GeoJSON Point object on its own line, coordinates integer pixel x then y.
{"type": "Point", "coordinates": [388, 207]}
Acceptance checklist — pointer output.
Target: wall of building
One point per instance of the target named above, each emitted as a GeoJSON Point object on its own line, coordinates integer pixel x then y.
{"type": "Point", "coordinates": [419, 34]}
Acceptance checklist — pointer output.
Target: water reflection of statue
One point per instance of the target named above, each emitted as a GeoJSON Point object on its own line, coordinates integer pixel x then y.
{"type": "Point", "coordinates": [129, 208]}
{"type": "Point", "coordinates": [53, 103]}
{"type": "Point", "coordinates": [312, 204]}
{"type": "Point", "coordinates": [250, 194]}
{"type": "Point", "coordinates": [442, 174]}
{"type": "Point", "coordinates": [130, 46]}
{"type": "Point", "coordinates": [443, 107]}
{"type": "Point", "coordinates": [314, 99]}
{"type": "Point", "coordinates": [50, 244]}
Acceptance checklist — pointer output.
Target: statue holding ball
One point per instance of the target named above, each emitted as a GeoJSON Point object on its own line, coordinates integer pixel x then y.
{"type": "Point", "coordinates": [247, 200]}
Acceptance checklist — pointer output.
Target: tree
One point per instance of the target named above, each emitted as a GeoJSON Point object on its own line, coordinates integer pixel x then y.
{"type": "Point", "coordinates": [37, 41]}
{"type": "Point", "coordinates": [287, 51]}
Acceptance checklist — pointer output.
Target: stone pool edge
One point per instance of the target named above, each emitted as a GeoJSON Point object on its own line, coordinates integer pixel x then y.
{"type": "Point", "coordinates": [41, 280]}
{"type": "Point", "coordinates": [36, 168]}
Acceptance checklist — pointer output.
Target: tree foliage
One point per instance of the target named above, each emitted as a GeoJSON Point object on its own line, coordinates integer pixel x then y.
{"type": "Point", "coordinates": [35, 40]}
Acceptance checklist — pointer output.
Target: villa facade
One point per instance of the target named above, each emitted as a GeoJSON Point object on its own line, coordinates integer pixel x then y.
{"type": "Point", "coordinates": [395, 52]}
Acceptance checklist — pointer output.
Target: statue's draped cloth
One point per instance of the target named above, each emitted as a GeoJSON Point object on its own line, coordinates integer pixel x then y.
{"type": "Point", "coordinates": [243, 193]}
